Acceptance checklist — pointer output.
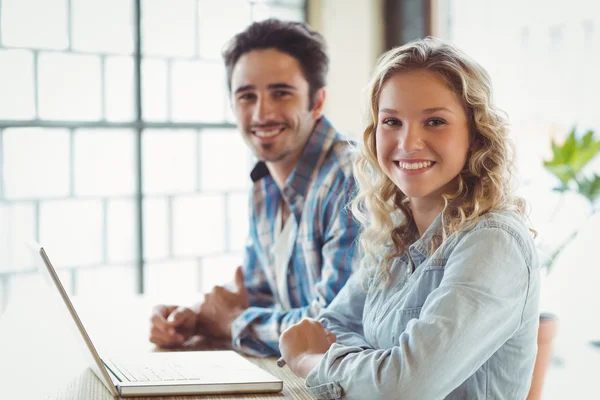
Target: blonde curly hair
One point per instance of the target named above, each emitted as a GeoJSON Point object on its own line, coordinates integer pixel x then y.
{"type": "Point", "coordinates": [388, 227]}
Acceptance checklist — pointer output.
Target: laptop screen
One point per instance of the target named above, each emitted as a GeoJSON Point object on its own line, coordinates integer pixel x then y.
{"type": "Point", "coordinates": [86, 346]}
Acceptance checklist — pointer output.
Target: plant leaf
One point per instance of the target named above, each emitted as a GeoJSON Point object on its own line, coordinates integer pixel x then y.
{"type": "Point", "coordinates": [584, 155]}
{"type": "Point", "coordinates": [588, 138]}
{"type": "Point", "coordinates": [589, 187]}
{"type": "Point", "coordinates": [561, 189]}
{"type": "Point", "coordinates": [570, 158]}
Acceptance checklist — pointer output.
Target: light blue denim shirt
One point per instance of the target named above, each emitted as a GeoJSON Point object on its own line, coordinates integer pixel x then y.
{"type": "Point", "coordinates": [463, 325]}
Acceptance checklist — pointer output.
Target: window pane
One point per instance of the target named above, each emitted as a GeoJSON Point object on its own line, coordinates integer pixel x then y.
{"type": "Point", "coordinates": [69, 86]}
{"type": "Point", "coordinates": [219, 172]}
{"type": "Point", "coordinates": [218, 270]}
{"type": "Point", "coordinates": [198, 91]}
{"type": "Point", "coordinates": [72, 230]}
{"type": "Point", "coordinates": [121, 231]}
{"type": "Point", "coordinates": [229, 117]}
{"type": "Point", "coordinates": [36, 162]}
{"type": "Point", "coordinates": [169, 159]}
{"type": "Point", "coordinates": [35, 23]}
{"type": "Point", "coordinates": [292, 3]}
{"type": "Point", "coordinates": [169, 279]}
{"type": "Point", "coordinates": [289, 3]}
{"type": "Point", "coordinates": [263, 11]}
{"type": "Point", "coordinates": [3, 295]}
{"type": "Point", "coordinates": [198, 225]}
{"type": "Point", "coordinates": [22, 285]}
{"type": "Point", "coordinates": [16, 85]}
{"type": "Point", "coordinates": [154, 90]}
{"type": "Point", "coordinates": [212, 32]}
{"type": "Point", "coordinates": [116, 280]}
{"type": "Point", "coordinates": [91, 17]}
{"type": "Point", "coordinates": [156, 229]}
{"type": "Point", "coordinates": [104, 162]}
{"type": "Point", "coordinates": [119, 101]}
{"type": "Point", "coordinates": [238, 220]}
{"type": "Point", "coordinates": [17, 227]}
{"type": "Point", "coordinates": [168, 30]}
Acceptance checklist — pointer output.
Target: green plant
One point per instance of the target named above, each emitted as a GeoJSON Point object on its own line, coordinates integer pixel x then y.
{"type": "Point", "coordinates": [567, 165]}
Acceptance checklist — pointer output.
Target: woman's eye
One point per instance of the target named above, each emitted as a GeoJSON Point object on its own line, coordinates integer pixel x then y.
{"type": "Point", "coordinates": [436, 122]}
{"type": "Point", "coordinates": [391, 122]}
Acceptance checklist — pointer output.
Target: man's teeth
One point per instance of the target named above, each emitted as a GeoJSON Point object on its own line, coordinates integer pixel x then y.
{"type": "Point", "coordinates": [418, 165]}
{"type": "Point", "coordinates": [267, 133]}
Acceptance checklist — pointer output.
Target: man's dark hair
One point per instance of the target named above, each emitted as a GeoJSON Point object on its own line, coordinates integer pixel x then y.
{"type": "Point", "coordinates": [293, 38]}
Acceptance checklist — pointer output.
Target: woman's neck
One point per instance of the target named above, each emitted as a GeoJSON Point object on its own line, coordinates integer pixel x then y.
{"type": "Point", "coordinates": [424, 212]}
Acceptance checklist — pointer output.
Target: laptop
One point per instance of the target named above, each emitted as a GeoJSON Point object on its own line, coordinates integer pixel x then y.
{"type": "Point", "coordinates": [163, 373]}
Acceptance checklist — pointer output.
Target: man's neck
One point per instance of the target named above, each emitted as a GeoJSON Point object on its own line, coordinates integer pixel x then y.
{"type": "Point", "coordinates": [280, 171]}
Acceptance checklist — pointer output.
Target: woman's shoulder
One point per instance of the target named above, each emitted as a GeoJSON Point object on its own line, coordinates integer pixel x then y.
{"type": "Point", "coordinates": [500, 226]}
{"type": "Point", "coordinates": [506, 220]}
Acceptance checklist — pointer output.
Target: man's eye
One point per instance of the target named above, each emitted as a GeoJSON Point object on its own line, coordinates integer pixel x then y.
{"type": "Point", "coordinates": [281, 93]}
{"type": "Point", "coordinates": [246, 96]}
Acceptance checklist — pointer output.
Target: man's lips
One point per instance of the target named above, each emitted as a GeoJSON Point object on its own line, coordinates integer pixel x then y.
{"type": "Point", "coordinates": [268, 132]}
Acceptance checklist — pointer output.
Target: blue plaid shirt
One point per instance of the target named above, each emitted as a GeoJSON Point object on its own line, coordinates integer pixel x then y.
{"type": "Point", "coordinates": [324, 234]}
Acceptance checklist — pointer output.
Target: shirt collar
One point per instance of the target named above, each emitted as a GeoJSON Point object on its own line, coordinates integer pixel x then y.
{"type": "Point", "coordinates": [423, 244]}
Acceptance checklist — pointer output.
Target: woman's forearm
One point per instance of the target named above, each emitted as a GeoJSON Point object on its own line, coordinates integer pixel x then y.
{"type": "Point", "coordinates": [305, 363]}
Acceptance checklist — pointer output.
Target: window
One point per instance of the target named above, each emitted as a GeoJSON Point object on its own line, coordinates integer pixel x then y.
{"type": "Point", "coordinates": [85, 150]}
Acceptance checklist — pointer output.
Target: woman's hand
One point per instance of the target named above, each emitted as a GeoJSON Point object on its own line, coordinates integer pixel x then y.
{"type": "Point", "coordinates": [303, 345]}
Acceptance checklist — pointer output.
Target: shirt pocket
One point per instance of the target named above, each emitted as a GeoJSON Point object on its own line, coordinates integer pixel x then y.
{"type": "Point", "coordinates": [403, 317]}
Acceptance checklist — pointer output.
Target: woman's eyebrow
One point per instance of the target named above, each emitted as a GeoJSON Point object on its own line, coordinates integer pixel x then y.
{"type": "Point", "coordinates": [436, 109]}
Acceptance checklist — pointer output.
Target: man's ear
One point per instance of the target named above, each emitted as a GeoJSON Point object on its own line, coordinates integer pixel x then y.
{"type": "Point", "coordinates": [231, 102]}
{"type": "Point", "coordinates": [319, 103]}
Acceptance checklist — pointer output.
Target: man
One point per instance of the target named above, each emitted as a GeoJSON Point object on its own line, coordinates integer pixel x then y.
{"type": "Point", "coordinates": [301, 243]}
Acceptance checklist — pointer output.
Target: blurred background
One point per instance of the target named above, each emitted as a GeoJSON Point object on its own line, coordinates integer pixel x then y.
{"type": "Point", "coordinates": [119, 154]}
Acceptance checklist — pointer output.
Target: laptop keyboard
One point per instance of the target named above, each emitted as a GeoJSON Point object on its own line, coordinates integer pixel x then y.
{"type": "Point", "coordinates": [152, 373]}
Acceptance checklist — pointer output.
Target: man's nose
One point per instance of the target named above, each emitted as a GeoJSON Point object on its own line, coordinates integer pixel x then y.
{"type": "Point", "coordinates": [263, 110]}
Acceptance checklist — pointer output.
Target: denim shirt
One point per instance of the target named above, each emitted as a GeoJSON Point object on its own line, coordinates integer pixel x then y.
{"type": "Point", "coordinates": [463, 325]}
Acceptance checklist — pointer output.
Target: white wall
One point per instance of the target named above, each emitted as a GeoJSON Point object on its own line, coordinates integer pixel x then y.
{"type": "Point", "coordinates": [353, 30]}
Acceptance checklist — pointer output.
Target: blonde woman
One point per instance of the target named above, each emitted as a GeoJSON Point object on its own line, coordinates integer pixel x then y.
{"type": "Point", "coordinates": [445, 305]}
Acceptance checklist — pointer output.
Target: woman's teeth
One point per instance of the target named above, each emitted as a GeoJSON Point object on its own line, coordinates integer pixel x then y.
{"type": "Point", "coordinates": [418, 165]}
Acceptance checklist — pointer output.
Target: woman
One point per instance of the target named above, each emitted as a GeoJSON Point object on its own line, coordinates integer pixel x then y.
{"type": "Point", "coordinates": [445, 304]}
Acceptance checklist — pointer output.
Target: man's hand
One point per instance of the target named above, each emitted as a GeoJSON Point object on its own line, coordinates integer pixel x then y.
{"type": "Point", "coordinates": [171, 326]}
{"type": "Point", "coordinates": [221, 307]}
{"type": "Point", "coordinates": [302, 345]}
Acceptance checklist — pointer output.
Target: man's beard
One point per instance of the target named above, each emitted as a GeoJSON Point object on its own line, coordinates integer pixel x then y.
{"type": "Point", "coordinates": [273, 158]}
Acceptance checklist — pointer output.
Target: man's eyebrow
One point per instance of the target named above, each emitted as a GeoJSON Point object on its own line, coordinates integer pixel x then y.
{"type": "Point", "coordinates": [281, 86]}
{"type": "Point", "coordinates": [244, 88]}
{"type": "Point", "coordinates": [271, 86]}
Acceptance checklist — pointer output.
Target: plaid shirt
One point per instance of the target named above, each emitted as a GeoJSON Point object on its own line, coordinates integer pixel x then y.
{"type": "Point", "coordinates": [321, 257]}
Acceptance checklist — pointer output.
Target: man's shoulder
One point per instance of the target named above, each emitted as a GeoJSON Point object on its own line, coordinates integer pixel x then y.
{"type": "Point", "coordinates": [340, 157]}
